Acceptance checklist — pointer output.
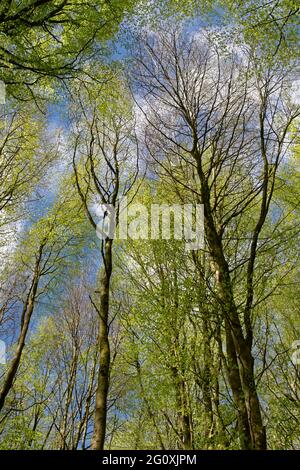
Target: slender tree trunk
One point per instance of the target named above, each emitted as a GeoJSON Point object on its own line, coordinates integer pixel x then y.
{"type": "Point", "coordinates": [216, 366]}
{"type": "Point", "coordinates": [205, 383]}
{"type": "Point", "coordinates": [84, 424]}
{"type": "Point", "coordinates": [25, 321]}
{"type": "Point", "coordinates": [70, 389]}
{"type": "Point", "coordinates": [184, 418]}
{"type": "Point", "coordinates": [104, 348]}
{"type": "Point", "coordinates": [36, 421]}
{"type": "Point", "coordinates": [148, 406]}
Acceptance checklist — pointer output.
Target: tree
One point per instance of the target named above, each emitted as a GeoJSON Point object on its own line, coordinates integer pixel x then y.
{"type": "Point", "coordinates": [24, 161]}
{"type": "Point", "coordinates": [55, 385]}
{"type": "Point", "coordinates": [44, 251]}
{"type": "Point", "coordinates": [120, 332]}
{"type": "Point", "coordinates": [103, 157]}
{"type": "Point", "coordinates": [49, 40]}
{"type": "Point", "coordinates": [193, 115]}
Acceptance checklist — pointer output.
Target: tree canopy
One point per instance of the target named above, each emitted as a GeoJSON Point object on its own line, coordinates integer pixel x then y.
{"type": "Point", "coordinates": [149, 225]}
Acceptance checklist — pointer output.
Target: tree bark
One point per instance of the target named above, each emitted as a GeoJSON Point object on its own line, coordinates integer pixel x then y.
{"type": "Point", "coordinates": [104, 348]}
{"type": "Point", "coordinates": [237, 392]}
{"type": "Point", "coordinates": [25, 321]}
{"type": "Point", "coordinates": [241, 362]}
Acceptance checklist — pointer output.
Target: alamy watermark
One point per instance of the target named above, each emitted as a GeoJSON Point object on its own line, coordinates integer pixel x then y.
{"type": "Point", "coordinates": [2, 92]}
{"type": "Point", "coordinates": [160, 221]}
{"type": "Point", "coordinates": [296, 354]}
{"type": "Point", "coordinates": [2, 352]}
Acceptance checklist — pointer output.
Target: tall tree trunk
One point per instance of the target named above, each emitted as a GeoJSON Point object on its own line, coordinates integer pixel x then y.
{"type": "Point", "coordinates": [83, 428]}
{"type": "Point", "coordinates": [257, 429]}
{"type": "Point", "coordinates": [182, 402]}
{"type": "Point", "coordinates": [238, 348]}
{"type": "Point", "coordinates": [148, 405]}
{"type": "Point", "coordinates": [216, 366]}
{"type": "Point", "coordinates": [237, 391]}
{"type": "Point", "coordinates": [104, 348]}
{"type": "Point", "coordinates": [70, 389]}
{"type": "Point", "coordinates": [241, 369]}
{"type": "Point", "coordinates": [25, 321]}
{"type": "Point", "coordinates": [184, 419]}
{"type": "Point", "coordinates": [205, 382]}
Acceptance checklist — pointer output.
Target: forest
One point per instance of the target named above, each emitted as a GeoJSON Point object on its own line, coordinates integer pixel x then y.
{"type": "Point", "coordinates": [149, 225]}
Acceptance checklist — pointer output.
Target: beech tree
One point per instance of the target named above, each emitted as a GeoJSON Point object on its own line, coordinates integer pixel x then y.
{"type": "Point", "coordinates": [104, 153]}
{"type": "Point", "coordinates": [115, 334]}
{"type": "Point", "coordinates": [220, 115]}
{"type": "Point", "coordinates": [47, 40]}
{"type": "Point", "coordinates": [42, 253]}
